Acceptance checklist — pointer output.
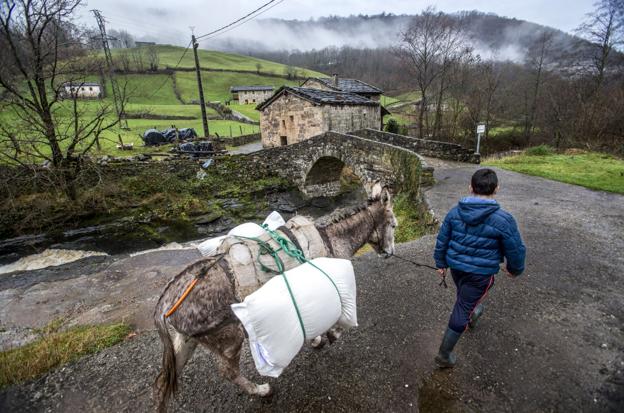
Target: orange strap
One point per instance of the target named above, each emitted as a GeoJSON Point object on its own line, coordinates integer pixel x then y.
{"type": "Point", "coordinates": [177, 304]}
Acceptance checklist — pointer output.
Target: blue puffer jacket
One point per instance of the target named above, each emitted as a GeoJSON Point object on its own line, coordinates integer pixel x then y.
{"type": "Point", "coordinates": [476, 235]}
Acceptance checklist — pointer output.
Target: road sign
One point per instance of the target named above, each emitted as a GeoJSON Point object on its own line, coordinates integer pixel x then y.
{"type": "Point", "coordinates": [481, 128]}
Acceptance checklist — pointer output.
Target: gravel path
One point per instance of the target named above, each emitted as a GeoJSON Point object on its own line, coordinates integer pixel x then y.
{"type": "Point", "coordinates": [550, 341]}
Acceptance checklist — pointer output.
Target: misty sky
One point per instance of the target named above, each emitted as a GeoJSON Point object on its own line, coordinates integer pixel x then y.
{"type": "Point", "coordinates": [167, 21]}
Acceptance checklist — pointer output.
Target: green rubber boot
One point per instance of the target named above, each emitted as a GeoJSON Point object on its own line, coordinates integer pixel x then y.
{"type": "Point", "coordinates": [474, 318]}
{"type": "Point", "coordinates": [446, 358]}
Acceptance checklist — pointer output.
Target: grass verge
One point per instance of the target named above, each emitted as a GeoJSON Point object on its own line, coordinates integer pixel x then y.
{"type": "Point", "coordinates": [55, 348]}
{"type": "Point", "coordinates": [413, 222]}
{"type": "Point", "coordinates": [589, 169]}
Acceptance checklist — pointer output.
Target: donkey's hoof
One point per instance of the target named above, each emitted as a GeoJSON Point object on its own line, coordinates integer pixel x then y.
{"type": "Point", "coordinates": [264, 390]}
{"type": "Point", "coordinates": [317, 342]}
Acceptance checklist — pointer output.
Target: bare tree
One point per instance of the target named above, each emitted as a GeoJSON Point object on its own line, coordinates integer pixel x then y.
{"type": "Point", "coordinates": [137, 59]}
{"type": "Point", "coordinates": [536, 61]}
{"type": "Point", "coordinates": [123, 60]}
{"type": "Point", "coordinates": [152, 58]}
{"type": "Point", "coordinates": [430, 38]}
{"type": "Point", "coordinates": [41, 55]}
{"type": "Point", "coordinates": [604, 28]}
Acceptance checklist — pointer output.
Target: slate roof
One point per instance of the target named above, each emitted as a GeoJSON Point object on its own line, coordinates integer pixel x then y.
{"type": "Point", "coordinates": [321, 97]}
{"type": "Point", "coordinates": [79, 84]}
{"type": "Point", "coordinates": [349, 85]}
{"type": "Point", "coordinates": [234, 89]}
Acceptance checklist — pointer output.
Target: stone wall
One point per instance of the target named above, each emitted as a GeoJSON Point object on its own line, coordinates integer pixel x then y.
{"type": "Point", "coordinates": [238, 140]}
{"type": "Point", "coordinates": [292, 117]}
{"type": "Point", "coordinates": [434, 149]}
{"type": "Point", "coordinates": [315, 84]}
{"type": "Point", "coordinates": [343, 119]}
{"type": "Point", "coordinates": [254, 97]}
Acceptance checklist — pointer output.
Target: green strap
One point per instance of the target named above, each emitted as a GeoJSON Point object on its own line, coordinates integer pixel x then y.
{"type": "Point", "coordinates": [291, 250]}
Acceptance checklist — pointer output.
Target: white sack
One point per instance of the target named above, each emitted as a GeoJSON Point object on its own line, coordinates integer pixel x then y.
{"type": "Point", "coordinates": [210, 246]}
{"type": "Point", "coordinates": [271, 321]}
{"type": "Point", "coordinates": [248, 229]}
{"type": "Point", "coordinates": [274, 221]}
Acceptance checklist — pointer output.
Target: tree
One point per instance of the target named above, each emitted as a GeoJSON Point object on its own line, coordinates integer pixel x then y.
{"type": "Point", "coordinates": [604, 28]}
{"type": "Point", "coordinates": [152, 58]}
{"type": "Point", "coordinates": [41, 52]}
{"type": "Point", "coordinates": [137, 59]}
{"type": "Point", "coordinates": [536, 61]}
{"type": "Point", "coordinates": [426, 49]}
{"type": "Point", "coordinates": [258, 67]}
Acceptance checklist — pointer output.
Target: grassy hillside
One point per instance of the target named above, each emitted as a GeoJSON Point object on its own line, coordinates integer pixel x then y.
{"type": "Point", "coordinates": [170, 55]}
{"type": "Point", "coordinates": [154, 95]}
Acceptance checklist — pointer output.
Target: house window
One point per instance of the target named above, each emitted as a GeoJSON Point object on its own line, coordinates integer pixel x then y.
{"type": "Point", "coordinates": [254, 100]}
{"type": "Point", "coordinates": [292, 118]}
{"type": "Point", "coordinates": [90, 89]}
{"type": "Point", "coordinates": [283, 123]}
{"type": "Point", "coordinates": [283, 140]}
{"type": "Point", "coordinates": [246, 101]}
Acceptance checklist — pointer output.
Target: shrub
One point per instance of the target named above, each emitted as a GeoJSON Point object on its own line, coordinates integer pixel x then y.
{"type": "Point", "coordinates": [392, 126]}
{"type": "Point", "coordinates": [541, 150]}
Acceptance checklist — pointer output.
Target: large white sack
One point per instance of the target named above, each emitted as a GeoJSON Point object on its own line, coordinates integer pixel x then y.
{"type": "Point", "coordinates": [273, 221]}
{"type": "Point", "coordinates": [271, 320]}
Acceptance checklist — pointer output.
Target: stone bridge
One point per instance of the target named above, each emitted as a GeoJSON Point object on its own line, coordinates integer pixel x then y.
{"type": "Point", "coordinates": [317, 164]}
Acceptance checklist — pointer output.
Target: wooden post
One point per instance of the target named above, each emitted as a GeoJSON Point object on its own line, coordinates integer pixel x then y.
{"type": "Point", "coordinates": [202, 102]}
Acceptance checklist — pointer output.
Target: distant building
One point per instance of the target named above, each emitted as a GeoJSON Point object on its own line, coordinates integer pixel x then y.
{"type": "Point", "coordinates": [143, 44]}
{"type": "Point", "coordinates": [82, 90]}
{"type": "Point", "coordinates": [250, 95]}
{"type": "Point", "coordinates": [294, 114]}
{"type": "Point", "coordinates": [338, 84]}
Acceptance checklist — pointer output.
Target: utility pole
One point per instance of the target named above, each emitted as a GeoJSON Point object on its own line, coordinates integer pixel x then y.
{"type": "Point", "coordinates": [111, 70]}
{"type": "Point", "coordinates": [201, 89]}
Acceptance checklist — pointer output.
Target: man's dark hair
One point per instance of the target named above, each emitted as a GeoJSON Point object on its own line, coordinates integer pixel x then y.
{"type": "Point", "coordinates": [484, 182]}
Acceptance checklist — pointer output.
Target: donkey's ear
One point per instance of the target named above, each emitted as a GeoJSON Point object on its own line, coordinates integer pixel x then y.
{"type": "Point", "coordinates": [376, 191]}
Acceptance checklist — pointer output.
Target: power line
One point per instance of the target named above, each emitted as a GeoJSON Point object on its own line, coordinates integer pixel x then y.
{"type": "Point", "coordinates": [236, 21]}
{"type": "Point", "coordinates": [243, 22]}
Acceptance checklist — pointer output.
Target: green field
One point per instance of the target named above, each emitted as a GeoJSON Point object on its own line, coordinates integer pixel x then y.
{"type": "Point", "coordinates": [589, 169]}
{"type": "Point", "coordinates": [169, 56]}
{"type": "Point", "coordinates": [153, 95]}
{"type": "Point", "coordinates": [217, 84]}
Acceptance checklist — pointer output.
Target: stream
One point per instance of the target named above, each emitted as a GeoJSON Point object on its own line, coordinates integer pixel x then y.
{"type": "Point", "coordinates": [127, 236]}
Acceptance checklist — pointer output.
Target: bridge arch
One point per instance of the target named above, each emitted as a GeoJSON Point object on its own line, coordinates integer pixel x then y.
{"type": "Point", "coordinates": [327, 174]}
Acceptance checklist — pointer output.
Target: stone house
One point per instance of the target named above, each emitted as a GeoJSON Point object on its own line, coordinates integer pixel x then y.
{"type": "Point", "coordinates": [83, 90]}
{"type": "Point", "coordinates": [251, 95]}
{"type": "Point", "coordinates": [294, 114]}
{"type": "Point", "coordinates": [339, 84]}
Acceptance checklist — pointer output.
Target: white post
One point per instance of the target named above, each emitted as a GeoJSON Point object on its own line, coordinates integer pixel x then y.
{"type": "Point", "coordinates": [480, 131]}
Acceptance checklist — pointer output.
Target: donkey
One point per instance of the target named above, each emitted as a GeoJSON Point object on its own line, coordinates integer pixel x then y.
{"type": "Point", "coordinates": [205, 316]}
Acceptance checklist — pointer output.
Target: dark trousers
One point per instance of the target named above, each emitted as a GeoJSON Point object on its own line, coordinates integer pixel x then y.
{"type": "Point", "coordinates": [471, 290]}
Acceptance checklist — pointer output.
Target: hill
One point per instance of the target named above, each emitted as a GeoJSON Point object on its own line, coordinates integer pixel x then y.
{"type": "Point", "coordinates": [492, 35]}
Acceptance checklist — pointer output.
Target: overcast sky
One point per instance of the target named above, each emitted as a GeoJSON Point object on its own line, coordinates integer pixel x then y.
{"type": "Point", "coordinates": [168, 21]}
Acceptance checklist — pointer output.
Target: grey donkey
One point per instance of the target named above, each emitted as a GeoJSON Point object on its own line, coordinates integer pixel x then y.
{"type": "Point", "coordinates": [205, 316]}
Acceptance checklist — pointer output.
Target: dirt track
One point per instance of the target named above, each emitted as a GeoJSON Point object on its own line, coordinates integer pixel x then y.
{"type": "Point", "coordinates": [550, 341]}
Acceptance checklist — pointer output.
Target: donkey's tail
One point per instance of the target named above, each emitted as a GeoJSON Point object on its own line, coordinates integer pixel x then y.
{"type": "Point", "coordinates": [167, 381]}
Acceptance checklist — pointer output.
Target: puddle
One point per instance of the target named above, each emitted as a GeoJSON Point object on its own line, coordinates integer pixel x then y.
{"type": "Point", "coordinates": [435, 395]}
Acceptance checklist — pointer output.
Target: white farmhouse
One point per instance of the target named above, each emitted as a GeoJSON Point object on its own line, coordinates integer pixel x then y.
{"type": "Point", "coordinates": [83, 90]}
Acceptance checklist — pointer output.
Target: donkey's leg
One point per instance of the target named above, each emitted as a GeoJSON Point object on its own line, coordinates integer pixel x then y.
{"type": "Point", "coordinates": [183, 346]}
{"type": "Point", "coordinates": [226, 344]}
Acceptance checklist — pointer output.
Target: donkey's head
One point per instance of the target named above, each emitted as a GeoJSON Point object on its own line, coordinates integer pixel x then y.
{"type": "Point", "coordinates": [380, 207]}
